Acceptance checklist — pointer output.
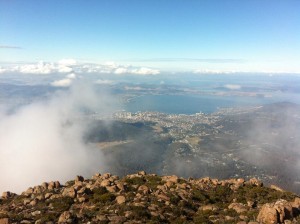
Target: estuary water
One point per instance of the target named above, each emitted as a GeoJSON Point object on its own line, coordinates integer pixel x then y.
{"type": "Point", "coordinates": [190, 104]}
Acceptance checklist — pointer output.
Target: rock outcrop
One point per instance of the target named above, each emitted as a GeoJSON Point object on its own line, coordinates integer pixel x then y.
{"type": "Point", "coordinates": [141, 197]}
{"type": "Point", "coordinates": [279, 211]}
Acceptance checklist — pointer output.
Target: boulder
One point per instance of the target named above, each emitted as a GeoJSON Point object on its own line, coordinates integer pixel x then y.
{"type": "Point", "coordinates": [284, 209]}
{"type": "Point", "coordinates": [229, 218]}
{"type": "Point", "coordinates": [105, 183]}
{"type": "Point", "coordinates": [163, 197]}
{"type": "Point", "coordinates": [121, 186]}
{"type": "Point", "coordinates": [4, 221]}
{"type": "Point", "coordinates": [7, 195]}
{"type": "Point", "coordinates": [51, 185]}
{"type": "Point", "coordinates": [40, 197]}
{"type": "Point", "coordinates": [168, 184]}
{"type": "Point", "coordinates": [26, 201]}
{"type": "Point", "coordinates": [144, 189]}
{"type": "Point", "coordinates": [79, 178]}
{"type": "Point", "coordinates": [48, 195]}
{"type": "Point", "coordinates": [69, 192]}
{"type": "Point", "coordinates": [111, 189]}
{"type": "Point", "coordinates": [54, 185]}
{"type": "Point", "coordinates": [28, 192]}
{"type": "Point", "coordinates": [57, 184]}
{"type": "Point", "coordinates": [173, 179]}
{"type": "Point", "coordinates": [120, 199]}
{"type": "Point", "coordinates": [254, 182]}
{"type": "Point", "coordinates": [96, 176]}
{"type": "Point", "coordinates": [208, 208]}
{"type": "Point", "coordinates": [238, 207]}
{"type": "Point", "coordinates": [81, 199]}
{"type": "Point", "coordinates": [268, 214]}
{"type": "Point", "coordinates": [35, 213]}
{"type": "Point", "coordinates": [106, 175]}
{"type": "Point", "coordinates": [252, 204]}
{"type": "Point", "coordinates": [272, 213]}
{"type": "Point", "coordinates": [142, 173]}
{"type": "Point", "coordinates": [244, 217]}
{"type": "Point", "coordinates": [33, 202]}
{"type": "Point", "coordinates": [45, 185]}
{"type": "Point", "coordinates": [66, 217]}
{"type": "Point", "coordinates": [296, 203]}
{"type": "Point", "coordinates": [276, 188]}
{"type": "Point", "coordinates": [38, 190]}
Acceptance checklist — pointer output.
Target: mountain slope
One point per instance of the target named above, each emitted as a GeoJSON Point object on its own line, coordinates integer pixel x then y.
{"type": "Point", "coordinates": [140, 198]}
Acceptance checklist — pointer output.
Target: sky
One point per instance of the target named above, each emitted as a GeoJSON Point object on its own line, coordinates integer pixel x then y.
{"type": "Point", "coordinates": [169, 35]}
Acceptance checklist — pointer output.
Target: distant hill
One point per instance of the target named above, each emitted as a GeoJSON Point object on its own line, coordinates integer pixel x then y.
{"type": "Point", "coordinates": [142, 198]}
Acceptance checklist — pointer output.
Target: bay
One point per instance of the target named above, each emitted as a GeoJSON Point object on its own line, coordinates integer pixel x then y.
{"type": "Point", "coordinates": [190, 104]}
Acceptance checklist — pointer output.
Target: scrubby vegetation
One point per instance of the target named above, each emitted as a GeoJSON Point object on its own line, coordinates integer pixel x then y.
{"type": "Point", "coordinates": [143, 198]}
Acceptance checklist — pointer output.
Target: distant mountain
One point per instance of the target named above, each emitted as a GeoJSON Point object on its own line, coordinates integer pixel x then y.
{"type": "Point", "coordinates": [142, 198]}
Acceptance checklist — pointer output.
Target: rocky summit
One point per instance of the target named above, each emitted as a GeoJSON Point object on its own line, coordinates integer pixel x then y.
{"type": "Point", "coordinates": [149, 198]}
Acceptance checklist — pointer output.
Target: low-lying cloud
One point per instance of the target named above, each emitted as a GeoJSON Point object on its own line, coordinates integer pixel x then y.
{"type": "Point", "coordinates": [66, 82]}
{"type": "Point", "coordinates": [43, 141]}
{"type": "Point", "coordinates": [62, 83]}
{"type": "Point", "coordinates": [71, 65]}
{"type": "Point", "coordinates": [136, 71]}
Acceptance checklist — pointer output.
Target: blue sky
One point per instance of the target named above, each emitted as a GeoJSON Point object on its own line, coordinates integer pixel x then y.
{"type": "Point", "coordinates": [229, 35]}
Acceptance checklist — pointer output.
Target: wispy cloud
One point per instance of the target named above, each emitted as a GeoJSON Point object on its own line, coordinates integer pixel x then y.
{"type": "Point", "coordinates": [10, 47]}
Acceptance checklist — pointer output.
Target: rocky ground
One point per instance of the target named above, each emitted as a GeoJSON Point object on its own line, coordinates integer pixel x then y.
{"type": "Point", "coordinates": [142, 198]}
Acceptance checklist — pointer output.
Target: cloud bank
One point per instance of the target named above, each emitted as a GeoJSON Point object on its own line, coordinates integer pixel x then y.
{"type": "Point", "coordinates": [71, 65]}
{"type": "Point", "coordinates": [43, 141]}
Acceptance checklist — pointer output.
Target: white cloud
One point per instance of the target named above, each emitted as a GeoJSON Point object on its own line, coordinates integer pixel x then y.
{"type": "Point", "coordinates": [70, 65]}
{"type": "Point", "coordinates": [145, 71]}
{"type": "Point", "coordinates": [136, 71]}
{"type": "Point", "coordinates": [39, 68]}
{"type": "Point", "coordinates": [2, 70]}
{"type": "Point", "coordinates": [72, 76]}
{"type": "Point", "coordinates": [233, 86]}
{"type": "Point", "coordinates": [50, 143]}
{"type": "Point", "coordinates": [62, 83]}
{"type": "Point", "coordinates": [121, 70]}
{"type": "Point", "coordinates": [63, 66]}
{"type": "Point", "coordinates": [66, 82]}
{"type": "Point", "coordinates": [64, 69]}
